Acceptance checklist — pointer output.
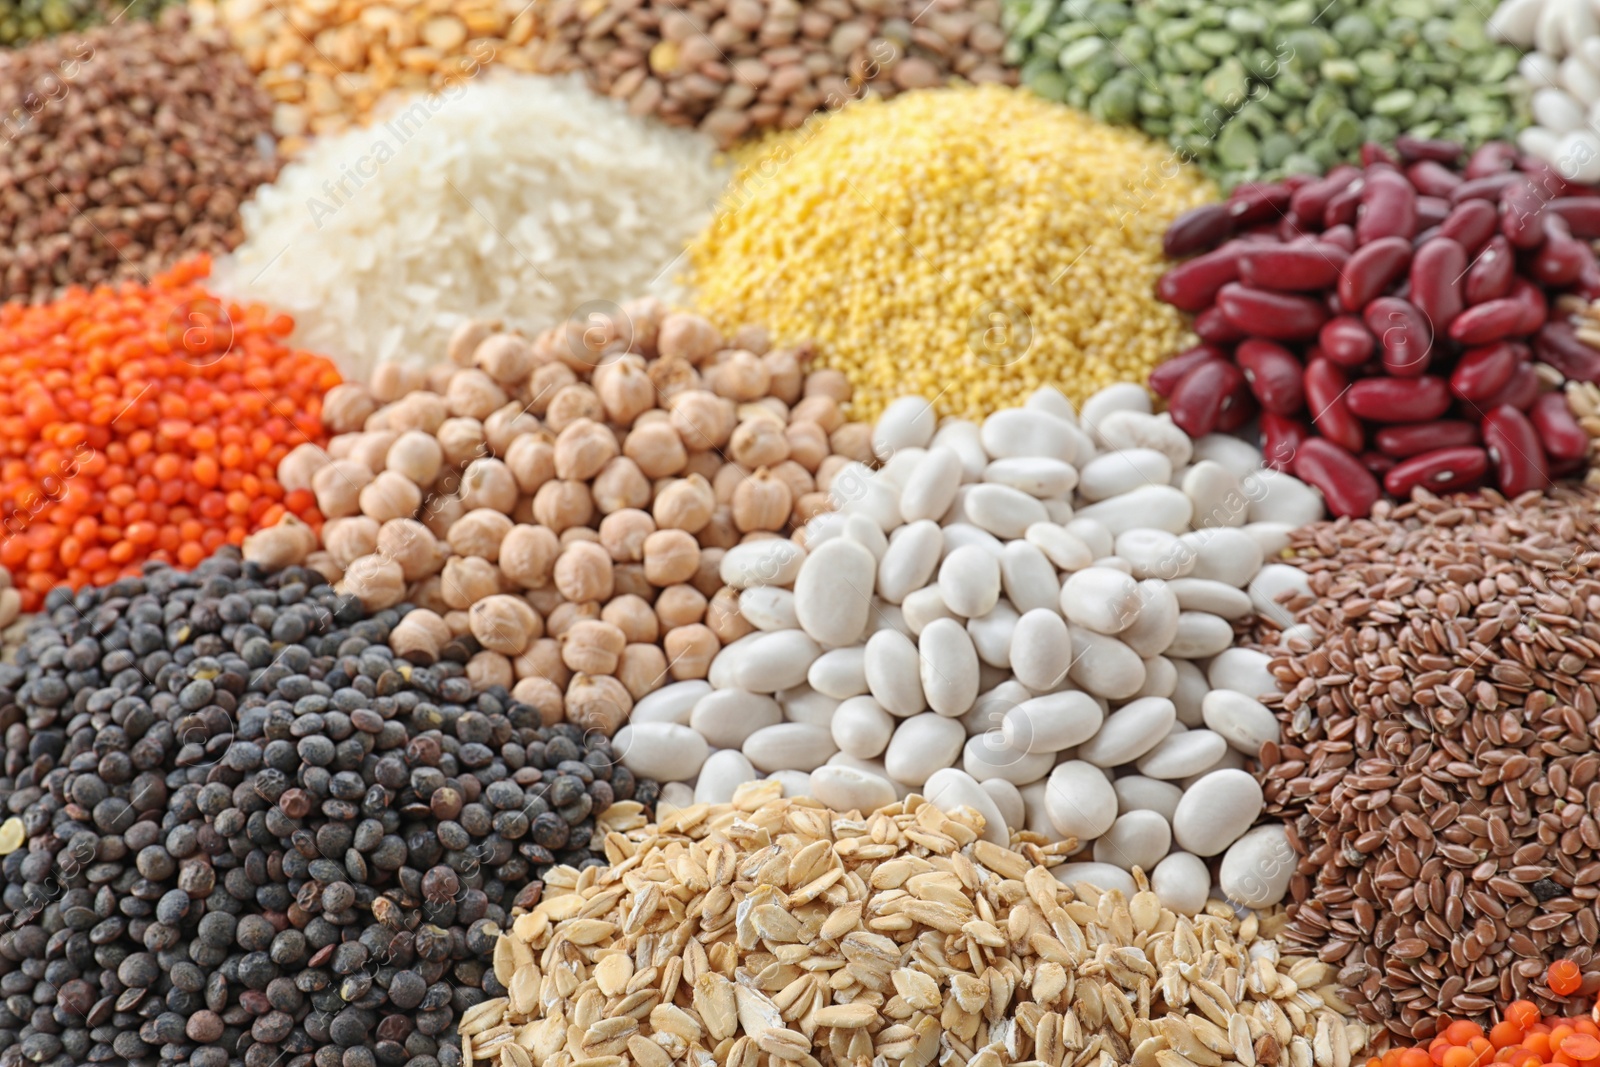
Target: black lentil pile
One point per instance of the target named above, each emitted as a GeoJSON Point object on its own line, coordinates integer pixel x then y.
{"type": "Point", "coordinates": [256, 838]}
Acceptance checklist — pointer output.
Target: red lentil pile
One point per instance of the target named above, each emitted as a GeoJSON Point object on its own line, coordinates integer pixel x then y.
{"type": "Point", "coordinates": [145, 422]}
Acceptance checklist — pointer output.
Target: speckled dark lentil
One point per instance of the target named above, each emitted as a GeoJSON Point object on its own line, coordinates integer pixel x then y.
{"type": "Point", "coordinates": [243, 852]}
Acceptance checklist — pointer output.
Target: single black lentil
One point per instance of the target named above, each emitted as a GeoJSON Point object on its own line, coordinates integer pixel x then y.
{"type": "Point", "coordinates": [257, 839]}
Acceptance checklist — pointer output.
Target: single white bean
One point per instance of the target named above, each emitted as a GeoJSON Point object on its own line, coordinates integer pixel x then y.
{"type": "Point", "coordinates": [840, 673]}
{"type": "Point", "coordinates": [923, 607]}
{"type": "Point", "coordinates": [894, 675]}
{"type": "Point", "coordinates": [1271, 537]}
{"type": "Point", "coordinates": [1066, 551]}
{"type": "Point", "coordinates": [849, 789]}
{"type": "Point", "coordinates": [1034, 475]}
{"type": "Point", "coordinates": [721, 774]}
{"type": "Point", "coordinates": [1129, 732]}
{"type": "Point", "coordinates": [1051, 401]}
{"type": "Point", "coordinates": [1243, 670]}
{"type": "Point", "coordinates": [1200, 634]}
{"type": "Point", "coordinates": [1240, 458]}
{"type": "Point", "coordinates": [1028, 578]}
{"type": "Point", "coordinates": [664, 751]}
{"type": "Point", "coordinates": [727, 717]}
{"type": "Point", "coordinates": [1052, 722]}
{"type": "Point", "coordinates": [805, 704]}
{"type": "Point", "coordinates": [910, 561]}
{"type": "Point", "coordinates": [1154, 554]}
{"type": "Point", "coordinates": [1100, 599]}
{"type": "Point", "coordinates": [670, 703]}
{"type": "Point", "coordinates": [767, 607]}
{"type": "Point", "coordinates": [1002, 510]}
{"type": "Point", "coordinates": [1217, 598]}
{"type": "Point", "coordinates": [1134, 429]}
{"type": "Point", "coordinates": [861, 727]}
{"type": "Point", "coordinates": [969, 579]}
{"type": "Point", "coordinates": [795, 783]}
{"type": "Point", "coordinates": [963, 438]}
{"type": "Point", "coordinates": [1278, 497]}
{"type": "Point", "coordinates": [931, 488]}
{"type": "Point", "coordinates": [1137, 839]}
{"type": "Point", "coordinates": [1102, 876]}
{"type": "Point", "coordinates": [773, 561]}
{"type": "Point", "coordinates": [1155, 627]}
{"type": "Point", "coordinates": [866, 533]}
{"type": "Point", "coordinates": [921, 745]}
{"type": "Point", "coordinates": [1160, 678]}
{"type": "Point", "coordinates": [1023, 432]}
{"type": "Point", "coordinates": [1041, 650]}
{"type": "Point", "coordinates": [949, 667]}
{"type": "Point", "coordinates": [1190, 693]}
{"type": "Point", "coordinates": [1217, 495]}
{"type": "Point", "coordinates": [948, 789]}
{"type": "Point", "coordinates": [1274, 582]}
{"type": "Point", "coordinates": [1081, 801]}
{"type": "Point", "coordinates": [725, 668]}
{"type": "Point", "coordinates": [1224, 555]}
{"type": "Point", "coordinates": [990, 755]}
{"type": "Point", "coordinates": [1008, 798]}
{"type": "Point", "coordinates": [775, 661]}
{"type": "Point", "coordinates": [674, 796]}
{"type": "Point", "coordinates": [1256, 868]}
{"type": "Point", "coordinates": [790, 746]}
{"type": "Point", "coordinates": [1135, 792]}
{"type": "Point", "coordinates": [1243, 722]}
{"type": "Point", "coordinates": [906, 422]}
{"type": "Point", "coordinates": [1216, 810]}
{"type": "Point", "coordinates": [1105, 666]}
{"type": "Point", "coordinates": [1182, 882]}
{"type": "Point", "coordinates": [833, 592]}
{"type": "Point", "coordinates": [1114, 473]}
{"type": "Point", "coordinates": [964, 534]}
{"type": "Point", "coordinates": [1182, 754]}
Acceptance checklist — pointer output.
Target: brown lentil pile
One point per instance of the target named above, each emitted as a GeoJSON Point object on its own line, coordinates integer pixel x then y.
{"type": "Point", "coordinates": [1440, 772]}
{"type": "Point", "coordinates": [771, 931]}
{"type": "Point", "coordinates": [126, 149]}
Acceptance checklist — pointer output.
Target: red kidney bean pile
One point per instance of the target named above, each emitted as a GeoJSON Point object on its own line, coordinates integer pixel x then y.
{"type": "Point", "coordinates": [1387, 321]}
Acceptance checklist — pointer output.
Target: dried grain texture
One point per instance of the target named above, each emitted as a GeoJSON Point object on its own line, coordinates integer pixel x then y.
{"type": "Point", "coordinates": [770, 932]}
{"type": "Point", "coordinates": [1440, 772]}
{"type": "Point", "coordinates": [1583, 398]}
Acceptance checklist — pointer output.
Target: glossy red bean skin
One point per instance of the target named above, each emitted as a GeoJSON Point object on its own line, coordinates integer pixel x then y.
{"type": "Point", "coordinates": [1347, 341]}
{"type": "Point", "coordinates": [1431, 212]}
{"type": "Point", "coordinates": [1390, 400]}
{"type": "Point", "coordinates": [1372, 269]}
{"type": "Point", "coordinates": [1274, 375]}
{"type": "Point", "coordinates": [1514, 449]}
{"type": "Point", "coordinates": [1561, 258]}
{"type": "Point", "coordinates": [1410, 149]}
{"type": "Point", "coordinates": [1196, 402]}
{"type": "Point", "coordinates": [1192, 286]}
{"type": "Point", "coordinates": [1558, 428]}
{"type": "Point", "coordinates": [1557, 344]}
{"type": "Point", "coordinates": [1165, 378]}
{"type": "Point", "coordinates": [1470, 224]}
{"type": "Point", "coordinates": [1376, 462]}
{"type": "Point", "coordinates": [1436, 271]}
{"type": "Point", "coordinates": [1281, 438]}
{"type": "Point", "coordinates": [1581, 214]}
{"type": "Point", "coordinates": [1347, 487]}
{"type": "Point", "coordinates": [1310, 266]}
{"type": "Point", "coordinates": [1545, 179]}
{"type": "Point", "coordinates": [1238, 407]}
{"type": "Point", "coordinates": [1488, 322]}
{"type": "Point", "coordinates": [1491, 273]}
{"type": "Point", "coordinates": [1256, 202]}
{"type": "Point", "coordinates": [1430, 178]}
{"type": "Point", "coordinates": [1343, 236]}
{"type": "Point", "coordinates": [1402, 442]}
{"type": "Point", "coordinates": [1531, 301]}
{"type": "Point", "coordinates": [1373, 153]}
{"type": "Point", "coordinates": [1311, 200]}
{"type": "Point", "coordinates": [1213, 327]}
{"type": "Point", "coordinates": [1341, 210]}
{"type": "Point", "coordinates": [1279, 316]}
{"type": "Point", "coordinates": [1519, 393]}
{"type": "Point", "coordinates": [1440, 471]}
{"type": "Point", "coordinates": [1403, 333]}
{"type": "Point", "coordinates": [1482, 372]}
{"type": "Point", "coordinates": [1388, 208]}
{"type": "Point", "coordinates": [1521, 208]}
{"type": "Point", "coordinates": [1325, 386]}
{"type": "Point", "coordinates": [1488, 187]}
{"type": "Point", "coordinates": [1492, 158]}
{"type": "Point", "coordinates": [1198, 230]}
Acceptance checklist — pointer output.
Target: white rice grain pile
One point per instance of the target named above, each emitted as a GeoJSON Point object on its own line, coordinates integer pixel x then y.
{"type": "Point", "coordinates": [514, 197]}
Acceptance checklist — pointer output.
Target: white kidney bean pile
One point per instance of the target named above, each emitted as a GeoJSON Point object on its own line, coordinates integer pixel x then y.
{"type": "Point", "coordinates": [1034, 617]}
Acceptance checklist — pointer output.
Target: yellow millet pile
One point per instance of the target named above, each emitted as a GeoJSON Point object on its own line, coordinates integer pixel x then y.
{"type": "Point", "coordinates": [968, 244]}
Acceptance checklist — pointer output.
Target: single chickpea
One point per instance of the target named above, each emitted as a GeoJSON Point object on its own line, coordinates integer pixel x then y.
{"type": "Point", "coordinates": [690, 650]}
{"type": "Point", "coordinates": [726, 480]}
{"type": "Point", "coordinates": [419, 636]}
{"type": "Point", "coordinates": [465, 339]}
{"type": "Point", "coordinates": [644, 314]}
{"type": "Point", "coordinates": [467, 580]}
{"type": "Point", "coordinates": [684, 335]}
{"type": "Point", "coordinates": [390, 496]}
{"type": "Point", "coordinates": [762, 502]}
{"type": "Point", "coordinates": [809, 505]}
{"type": "Point", "coordinates": [703, 420]}
{"type": "Point", "coordinates": [338, 488]}
{"type": "Point", "coordinates": [413, 546]}
{"type": "Point", "coordinates": [346, 406]}
{"type": "Point", "coordinates": [428, 593]}
{"type": "Point", "coordinates": [592, 646]}
{"type": "Point", "coordinates": [642, 670]}
{"type": "Point", "coordinates": [620, 485]}
{"type": "Point", "coordinates": [545, 384]}
{"type": "Point", "coordinates": [758, 443]}
{"type": "Point", "coordinates": [421, 410]}
{"type": "Point", "coordinates": [489, 668]}
{"type": "Point", "coordinates": [785, 378]}
{"type": "Point", "coordinates": [633, 616]}
{"type": "Point", "coordinates": [720, 532]}
{"type": "Point", "coordinates": [829, 383]}
{"type": "Point", "coordinates": [766, 407]}
{"type": "Point", "coordinates": [528, 554]}
{"type": "Point", "coordinates": [796, 477]}
{"type": "Point", "coordinates": [479, 533]}
{"type": "Point", "coordinates": [331, 570]}
{"type": "Point", "coordinates": [723, 618]}
{"type": "Point", "coordinates": [285, 544]}
{"type": "Point", "coordinates": [572, 403]}
{"type": "Point", "coordinates": [583, 572]}
{"type": "Point", "coordinates": [853, 440]}
{"type": "Point", "coordinates": [375, 581]}
{"type": "Point", "coordinates": [300, 466]}
{"type": "Point", "coordinates": [739, 376]}
{"type": "Point", "coordinates": [505, 623]}
{"type": "Point", "coordinates": [460, 623]}
{"type": "Point", "coordinates": [573, 534]}
{"type": "Point", "coordinates": [808, 444]}
{"type": "Point", "coordinates": [560, 505]}
{"type": "Point", "coordinates": [505, 357]}
{"type": "Point", "coordinates": [437, 377]}
{"type": "Point", "coordinates": [752, 336]}
{"type": "Point", "coordinates": [371, 450]}
{"type": "Point", "coordinates": [543, 660]}
{"type": "Point", "coordinates": [820, 409]}
{"type": "Point", "coordinates": [390, 381]}
{"type": "Point", "coordinates": [623, 534]}
{"type": "Point", "coordinates": [543, 696]}
{"type": "Point", "coordinates": [532, 459]}
{"type": "Point", "coordinates": [487, 483]}
{"type": "Point", "coordinates": [625, 389]}
{"type": "Point", "coordinates": [705, 464]}
{"type": "Point", "coordinates": [828, 469]}
{"type": "Point", "coordinates": [546, 599]}
{"type": "Point", "coordinates": [583, 449]}
{"type": "Point", "coordinates": [672, 378]}
{"type": "Point", "coordinates": [462, 440]}
{"type": "Point", "coordinates": [339, 447]}
{"type": "Point", "coordinates": [416, 455]}
{"type": "Point", "coordinates": [597, 702]}
{"type": "Point", "coordinates": [523, 512]}
{"type": "Point", "coordinates": [630, 581]}
{"type": "Point", "coordinates": [350, 538]}
{"type": "Point", "coordinates": [684, 504]}
{"type": "Point", "coordinates": [440, 511]}
{"type": "Point", "coordinates": [473, 394]}
{"type": "Point", "coordinates": [708, 578]}
{"type": "Point", "coordinates": [670, 556]}
{"type": "Point", "coordinates": [656, 448]}
{"type": "Point", "coordinates": [680, 605]}
{"type": "Point", "coordinates": [569, 614]}
{"type": "Point", "coordinates": [506, 425]}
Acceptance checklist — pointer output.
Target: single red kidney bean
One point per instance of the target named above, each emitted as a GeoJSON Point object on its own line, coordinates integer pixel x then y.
{"type": "Point", "coordinates": [1484, 371]}
{"type": "Point", "coordinates": [1198, 230]}
{"type": "Point", "coordinates": [1273, 374]}
{"type": "Point", "coordinates": [1557, 344]}
{"type": "Point", "coordinates": [1581, 214]}
{"type": "Point", "coordinates": [1492, 158]}
{"type": "Point", "coordinates": [1558, 262]}
{"type": "Point", "coordinates": [1373, 153]}
{"type": "Point", "coordinates": [1238, 408]}
{"type": "Point", "coordinates": [1256, 202]}
{"type": "Point", "coordinates": [1347, 487]}
{"type": "Point", "coordinates": [1279, 316]}
{"type": "Point", "coordinates": [1491, 274]}
{"type": "Point", "coordinates": [1410, 149]}
{"type": "Point", "coordinates": [1587, 284]}
{"type": "Point", "coordinates": [1295, 181]}
{"type": "Point", "coordinates": [1490, 187]}
{"type": "Point", "coordinates": [1432, 179]}
{"type": "Point", "coordinates": [1281, 438]}
{"type": "Point", "coordinates": [1519, 393]}
{"type": "Point", "coordinates": [1535, 308]}
{"type": "Point", "coordinates": [1431, 211]}
{"type": "Point", "coordinates": [1404, 335]}
{"type": "Point", "coordinates": [1372, 270]}
{"type": "Point", "coordinates": [1521, 208]}
{"type": "Point", "coordinates": [1388, 208]}
{"type": "Point", "coordinates": [1193, 285]}
{"type": "Point", "coordinates": [1376, 462]}
{"type": "Point", "coordinates": [1341, 209]}
{"type": "Point", "coordinates": [1487, 322]}
{"type": "Point", "coordinates": [1343, 236]}
{"type": "Point", "coordinates": [1311, 199]}
{"type": "Point", "coordinates": [1436, 271]}
{"type": "Point", "coordinates": [1312, 266]}
{"type": "Point", "coordinates": [1212, 326]}
{"type": "Point", "coordinates": [1288, 229]}
{"type": "Point", "coordinates": [1470, 224]}
{"type": "Point", "coordinates": [1325, 385]}
{"type": "Point", "coordinates": [1403, 442]}
{"type": "Point", "coordinates": [1424, 237]}
{"type": "Point", "coordinates": [1167, 375]}
{"type": "Point", "coordinates": [1398, 399]}
{"type": "Point", "coordinates": [1347, 341]}
{"type": "Point", "coordinates": [1196, 401]}
{"type": "Point", "coordinates": [1514, 449]}
{"type": "Point", "coordinates": [1439, 471]}
{"type": "Point", "coordinates": [1558, 428]}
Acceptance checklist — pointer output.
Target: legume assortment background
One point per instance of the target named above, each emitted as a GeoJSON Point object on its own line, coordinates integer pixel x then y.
{"type": "Point", "coordinates": [757, 532]}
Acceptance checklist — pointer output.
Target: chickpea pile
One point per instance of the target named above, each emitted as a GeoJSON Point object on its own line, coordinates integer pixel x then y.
{"type": "Point", "coordinates": [557, 509]}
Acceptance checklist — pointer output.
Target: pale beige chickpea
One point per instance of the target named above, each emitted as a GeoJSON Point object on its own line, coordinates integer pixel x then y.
{"type": "Point", "coordinates": [703, 420]}
{"type": "Point", "coordinates": [723, 618]}
{"type": "Point", "coordinates": [705, 464]}
{"type": "Point", "coordinates": [656, 448]}
{"type": "Point", "coordinates": [574, 534]}
{"type": "Point", "coordinates": [680, 605]}
{"type": "Point", "coordinates": [619, 486]}
{"type": "Point", "coordinates": [560, 505]}
{"type": "Point", "coordinates": [489, 668]}
{"type": "Point", "coordinates": [543, 660]}
{"type": "Point", "coordinates": [583, 449]}
{"type": "Point", "coordinates": [642, 670]}
{"type": "Point", "coordinates": [505, 357]}
{"type": "Point", "coordinates": [758, 442]}
{"type": "Point", "coordinates": [853, 440]}
{"type": "Point", "coordinates": [829, 383]}
{"type": "Point", "coordinates": [437, 377]}
{"type": "Point", "coordinates": [421, 410]}
{"type": "Point", "coordinates": [726, 480]}
{"type": "Point", "coordinates": [623, 534]}
{"type": "Point", "coordinates": [684, 504]}
{"type": "Point", "coordinates": [808, 506]}
{"type": "Point", "coordinates": [708, 578]}
{"type": "Point", "coordinates": [527, 555]}
{"type": "Point", "coordinates": [629, 580]}
{"type": "Point", "coordinates": [487, 483]}
{"type": "Point", "coordinates": [331, 570]}
{"type": "Point", "coordinates": [532, 459]}
{"type": "Point", "coordinates": [598, 702]}
{"type": "Point", "coordinates": [739, 376]}
{"type": "Point", "coordinates": [633, 616]}
{"type": "Point", "coordinates": [687, 336]}
{"type": "Point", "coordinates": [543, 696]}
{"type": "Point", "coordinates": [375, 581]}
{"type": "Point", "coordinates": [796, 477]}
{"type": "Point", "coordinates": [785, 378]}
{"type": "Point", "coordinates": [808, 444]}
{"type": "Point", "coordinates": [545, 384]}
{"type": "Point", "coordinates": [461, 440]}
{"type": "Point", "coordinates": [338, 488]}
{"type": "Point", "coordinates": [348, 539]}
{"type": "Point", "coordinates": [766, 407]}
{"type": "Point", "coordinates": [822, 410]}
{"type": "Point", "coordinates": [465, 339]}
{"type": "Point", "coordinates": [568, 614]}
{"type": "Point", "coordinates": [390, 496]}
{"type": "Point", "coordinates": [762, 502]}
{"type": "Point", "coordinates": [583, 572]}
{"type": "Point", "coordinates": [672, 378]}
{"type": "Point", "coordinates": [506, 425]}
{"type": "Point", "coordinates": [428, 593]}
{"type": "Point", "coordinates": [523, 512]}
{"type": "Point", "coordinates": [592, 646]}
{"type": "Point", "coordinates": [467, 580]}
{"type": "Point", "coordinates": [339, 447]}
{"type": "Point", "coordinates": [479, 533]}
{"type": "Point", "coordinates": [473, 394]}
{"type": "Point", "coordinates": [545, 599]}
{"type": "Point", "coordinates": [625, 389]}
{"type": "Point", "coordinates": [300, 466]}
{"type": "Point", "coordinates": [690, 650]}
{"type": "Point", "coordinates": [753, 337]}
{"type": "Point", "coordinates": [346, 406]}
{"type": "Point", "coordinates": [670, 556]}
{"type": "Point", "coordinates": [460, 623]}
{"type": "Point", "coordinates": [413, 546]}
{"type": "Point", "coordinates": [390, 381]}
{"type": "Point", "coordinates": [419, 637]}
{"type": "Point", "coordinates": [440, 511]}
{"type": "Point", "coordinates": [573, 402]}
{"type": "Point", "coordinates": [720, 532]}
{"type": "Point", "coordinates": [273, 548]}
{"type": "Point", "coordinates": [505, 623]}
{"type": "Point", "coordinates": [828, 469]}
{"type": "Point", "coordinates": [371, 449]}
{"type": "Point", "coordinates": [643, 315]}
{"type": "Point", "coordinates": [416, 455]}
